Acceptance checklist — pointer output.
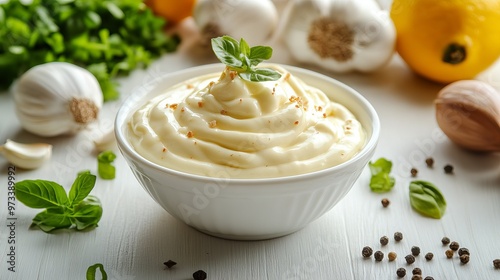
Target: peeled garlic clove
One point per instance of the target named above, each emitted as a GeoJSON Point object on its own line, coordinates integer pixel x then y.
{"type": "Point", "coordinates": [468, 112]}
{"type": "Point", "coordinates": [27, 156]}
{"type": "Point", "coordinates": [106, 142]}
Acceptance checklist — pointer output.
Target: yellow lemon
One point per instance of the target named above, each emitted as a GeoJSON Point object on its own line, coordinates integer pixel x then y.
{"type": "Point", "coordinates": [447, 40]}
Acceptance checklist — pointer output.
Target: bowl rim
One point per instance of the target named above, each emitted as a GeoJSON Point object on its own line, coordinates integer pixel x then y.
{"type": "Point", "coordinates": [126, 107]}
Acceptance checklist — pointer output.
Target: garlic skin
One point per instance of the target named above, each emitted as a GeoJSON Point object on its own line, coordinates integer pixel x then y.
{"type": "Point", "coordinates": [468, 112]}
{"type": "Point", "coordinates": [339, 35]}
{"type": "Point", "coordinates": [57, 98]}
{"type": "Point", "coordinates": [255, 21]}
{"type": "Point", "coordinates": [26, 156]}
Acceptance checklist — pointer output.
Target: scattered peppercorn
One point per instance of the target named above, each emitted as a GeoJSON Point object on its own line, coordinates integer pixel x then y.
{"type": "Point", "coordinates": [445, 240]}
{"type": "Point", "coordinates": [169, 263]}
{"type": "Point", "coordinates": [496, 263]}
{"type": "Point", "coordinates": [413, 172]}
{"type": "Point", "coordinates": [429, 278]}
{"type": "Point", "coordinates": [416, 271]}
{"type": "Point", "coordinates": [415, 250]}
{"type": "Point", "coordinates": [379, 256]}
{"type": "Point", "coordinates": [448, 169]}
{"type": "Point", "coordinates": [464, 258]}
{"type": "Point", "coordinates": [398, 236]}
{"type": "Point", "coordinates": [199, 275]}
{"type": "Point", "coordinates": [416, 277]}
{"type": "Point", "coordinates": [454, 245]}
{"type": "Point", "coordinates": [429, 162]}
{"type": "Point", "coordinates": [429, 256]}
{"type": "Point", "coordinates": [449, 253]}
{"type": "Point", "coordinates": [385, 202]}
{"type": "Point", "coordinates": [384, 240]}
{"type": "Point", "coordinates": [392, 256]}
{"type": "Point", "coordinates": [401, 272]}
{"type": "Point", "coordinates": [463, 251]}
{"type": "Point", "coordinates": [410, 259]}
{"type": "Point", "coordinates": [367, 251]}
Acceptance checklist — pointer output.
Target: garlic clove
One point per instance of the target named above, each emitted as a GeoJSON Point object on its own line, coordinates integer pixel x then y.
{"type": "Point", "coordinates": [106, 142]}
{"type": "Point", "coordinates": [468, 112]}
{"type": "Point", "coordinates": [27, 156]}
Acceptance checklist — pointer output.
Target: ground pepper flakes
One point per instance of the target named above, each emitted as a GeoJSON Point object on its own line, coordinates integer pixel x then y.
{"type": "Point", "coordinates": [223, 112]}
{"type": "Point", "coordinates": [173, 106]}
{"type": "Point", "coordinates": [200, 104]}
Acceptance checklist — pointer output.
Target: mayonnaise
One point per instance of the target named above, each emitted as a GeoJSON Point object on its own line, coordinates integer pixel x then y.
{"type": "Point", "coordinates": [220, 125]}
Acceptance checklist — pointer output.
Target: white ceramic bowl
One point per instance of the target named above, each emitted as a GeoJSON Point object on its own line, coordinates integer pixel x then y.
{"type": "Point", "coordinates": [248, 209]}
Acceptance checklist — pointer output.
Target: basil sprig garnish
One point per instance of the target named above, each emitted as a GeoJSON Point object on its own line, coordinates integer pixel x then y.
{"type": "Point", "coordinates": [427, 199]}
{"type": "Point", "coordinates": [79, 210]}
{"type": "Point", "coordinates": [243, 59]}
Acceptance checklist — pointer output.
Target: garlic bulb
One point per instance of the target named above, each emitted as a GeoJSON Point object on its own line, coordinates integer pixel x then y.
{"type": "Point", "coordinates": [468, 112]}
{"type": "Point", "coordinates": [255, 21]}
{"type": "Point", "coordinates": [57, 98]}
{"type": "Point", "coordinates": [339, 35]}
{"type": "Point", "coordinates": [27, 156]}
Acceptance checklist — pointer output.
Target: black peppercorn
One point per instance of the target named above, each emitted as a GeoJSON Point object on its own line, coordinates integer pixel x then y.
{"type": "Point", "coordinates": [463, 251]}
{"type": "Point", "coordinates": [367, 251]}
{"type": "Point", "coordinates": [169, 263]}
{"type": "Point", "coordinates": [429, 256]}
{"type": "Point", "coordinates": [448, 169]}
{"type": "Point", "coordinates": [379, 256]}
{"type": "Point", "coordinates": [398, 236]}
{"type": "Point", "coordinates": [384, 240]}
{"type": "Point", "coordinates": [410, 259]}
{"type": "Point", "coordinates": [416, 277]}
{"type": "Point", "coordinates": [496, 263]}
{"type": "Point", "coordinates": [429, 278]}
{"type": "Point", "coordinates": [429, 162]}
{"type": "Point", "coordinates": [445, 240]}
{"type": "Point", "coordinates": [454, 245]}
{"type": "Point", "coordinates": [401, 272]}
{"type": "Point", "coordinates": [392, 256]}
{"type": "Point", "coordinates": [449, 253]}
{"type": "Point", "coordinates": [464, 258]}
{"type": "Point", "coordinates": [413, 172]}
{"type": "Point", "coordinates": [385, 202]}
{"type": "Point", "coordinates": [416, 270]}
{"type": "Point", "coordinates": [415, 250]}
{"type": "Point", "coordinates": [199, 275]}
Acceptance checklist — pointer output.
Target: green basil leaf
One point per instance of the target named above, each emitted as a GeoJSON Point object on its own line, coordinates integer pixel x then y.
{"type": "Point", "coordinates": [244, 48]}
{"type": "Point", "coordinates": [41, 194]}
{"type": "Point", "coordinates": [427, 199]}
{"type": "Point", "coordinates": [91, 271]}
{"type": "Point", "coordinates": [2, 15]}
{"type": "Point", "coordinates": [45, 18]}
{"type": "Point", "coordinates": [83, 184]}
{"type": "Point", "coordinates": [381, 181]}
{"type": "Point", "coordinates": [260, 75]}
{"type": "Point", "coordinates": [105, 169]}
{"type": "Point", "coordinates": [87, 214]}
{"type": "Point", "coordinates": [227, 50]}
{"type": "Point", "coordinates": [52, 218]}
{"type": "Point", "coordinates": [114, 9]}
{"type": "Point", "coordinates": [259, 54]}
{"type": "Point", "coordinates": [92, 19]}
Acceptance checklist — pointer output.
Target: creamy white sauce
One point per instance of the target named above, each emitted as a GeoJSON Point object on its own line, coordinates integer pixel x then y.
{"type": "Point", "coordinates": [219, 125]}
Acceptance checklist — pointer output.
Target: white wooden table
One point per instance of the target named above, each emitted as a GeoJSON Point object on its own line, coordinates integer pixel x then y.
{"type": "Point", "coordinates": [135, 235]}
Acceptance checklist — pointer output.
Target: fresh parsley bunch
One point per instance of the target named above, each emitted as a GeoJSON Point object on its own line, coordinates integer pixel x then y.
{"type": "Point", "coordinates": [108, 38]}
{"type": "Point", "coordinates": [243, 59]}
{"type": "Point", "coordinates": [77, 210]}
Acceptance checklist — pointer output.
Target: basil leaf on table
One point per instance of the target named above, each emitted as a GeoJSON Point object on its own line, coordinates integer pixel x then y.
{"type": "Point", "coordinates": [381, 181]}
{"type": "Point", "coordinates": [427, 199]}
{"type": "Point", "coordinates": [87, 213]}
{"type": "Point", "coordinates": [51, 219]}
{"type": "Point", "coordinates": [41, 194]}
{"type": "Point", "coordinates": [82, 186]}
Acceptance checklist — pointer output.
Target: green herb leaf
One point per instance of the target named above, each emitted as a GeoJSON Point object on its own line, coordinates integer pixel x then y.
{"type": "Point", "coordinates": [427, 199]}
{"type": "Point", "coordinates": [381, 181]}
{"type": "Point", "coordinates": [87, 214]}
{"type": "Point", "coordinates": [239, 57]}
{"type": "Point", "coordinates": [81, 188]}
{"type": "Point", "coordinates": [104, 165]}
{"type": "Point", "coordinates": [91, 272]}
{"type": "Point", "coordinates": [52, 219]}
{"type": "Point", "coordinates": [41, 194]}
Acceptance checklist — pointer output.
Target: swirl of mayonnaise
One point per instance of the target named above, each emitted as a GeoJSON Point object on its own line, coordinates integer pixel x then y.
{"type": "Point", "coordinates": [208, 125]}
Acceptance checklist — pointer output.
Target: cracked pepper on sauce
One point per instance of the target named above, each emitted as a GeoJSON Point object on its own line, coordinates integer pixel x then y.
{"type": "Point", "coordinates": [220, 125]}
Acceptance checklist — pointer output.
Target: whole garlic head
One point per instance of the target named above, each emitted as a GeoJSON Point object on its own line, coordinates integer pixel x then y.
{"type": "Point", "coordinates": [57, 98]}
{"type": "Point", "coordinates": [468, 112]}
